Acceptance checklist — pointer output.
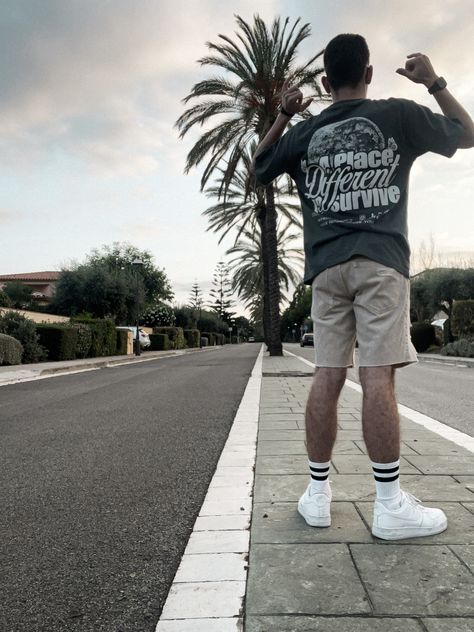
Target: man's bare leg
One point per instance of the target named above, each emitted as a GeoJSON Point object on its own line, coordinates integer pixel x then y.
{"type": "Point", "coordinates": [380, 419]}
{"type": "Point", "coordinates": [321, 412]}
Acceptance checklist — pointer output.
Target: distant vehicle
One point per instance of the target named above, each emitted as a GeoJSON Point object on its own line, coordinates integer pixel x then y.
{"type": "Point", "coordinates": [440, 322]}
{"type": "Point", "coordinates": [145, 341]}
{"type": "Point", "coordinates": [251, 339]}
{"type": "Point", "coordinates": [307, 340]}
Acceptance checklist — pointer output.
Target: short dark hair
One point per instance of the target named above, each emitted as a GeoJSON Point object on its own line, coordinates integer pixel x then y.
{"type": "Point", "coordinates": [345, 60]}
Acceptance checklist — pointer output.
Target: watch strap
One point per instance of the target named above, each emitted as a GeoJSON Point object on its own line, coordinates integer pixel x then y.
{"type": "Point", "coordinates": [439, 84]}
{"type": "Point", "coordinates": [283, 111]}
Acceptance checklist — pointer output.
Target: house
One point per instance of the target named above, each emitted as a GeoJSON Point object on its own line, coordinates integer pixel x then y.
{"type": "Point", "coordinates": [42, 284]}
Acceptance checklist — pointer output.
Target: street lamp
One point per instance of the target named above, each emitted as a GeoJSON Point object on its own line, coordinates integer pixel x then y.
{"type": "Point", "coordinates": [136, 263]}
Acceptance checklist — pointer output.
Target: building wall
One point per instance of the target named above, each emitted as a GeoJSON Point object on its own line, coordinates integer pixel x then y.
{"type": "Point", "coordinates": [37, 317]}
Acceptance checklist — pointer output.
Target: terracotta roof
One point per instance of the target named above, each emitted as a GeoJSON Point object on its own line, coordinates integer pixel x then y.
{"type": "Point", "coordinates": [31, 276]}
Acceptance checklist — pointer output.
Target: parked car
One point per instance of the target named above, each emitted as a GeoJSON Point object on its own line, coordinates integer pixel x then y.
{"type": "Point", "coordinates": [307, 340]}
{"type": "Point", "coordinates": [251, 339]}
{"type": "Point", "coordinates": [145, 341]}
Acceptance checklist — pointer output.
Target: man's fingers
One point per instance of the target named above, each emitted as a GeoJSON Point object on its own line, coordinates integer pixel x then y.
{"type": "Point", "coordinates": [285, 85]}
{"type": "Point", "coordinates": [415, 55]}
{"type": "Point", "coordinates": [402, 71]}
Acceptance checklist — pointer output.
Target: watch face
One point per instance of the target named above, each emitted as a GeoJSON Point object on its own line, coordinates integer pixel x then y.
{"type": "Point", "coordinates": [439, 84]}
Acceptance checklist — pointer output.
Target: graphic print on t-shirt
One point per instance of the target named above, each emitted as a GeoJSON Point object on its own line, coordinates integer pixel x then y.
{"type": "Point", "coordinates": [349, 170]}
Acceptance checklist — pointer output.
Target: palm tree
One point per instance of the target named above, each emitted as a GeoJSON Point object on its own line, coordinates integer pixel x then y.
{"type": "Point", "coordinates": [246, 102]}
{"type": "Point", "coordinates": [247, 265]}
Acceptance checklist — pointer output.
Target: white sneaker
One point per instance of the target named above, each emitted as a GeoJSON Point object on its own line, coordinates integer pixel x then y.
{"type": "Point", "coordinates": [410, 520]}
{"type": "Point", "coordinates": [315, 508]}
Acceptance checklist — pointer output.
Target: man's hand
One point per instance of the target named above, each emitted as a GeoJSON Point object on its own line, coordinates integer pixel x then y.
{"type": "Point", "coordinates": [418, 69]}
{"type": "Point", "coordinates": [292, 99]}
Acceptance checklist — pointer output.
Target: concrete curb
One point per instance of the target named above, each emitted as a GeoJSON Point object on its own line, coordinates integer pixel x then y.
{"type": "Point", "coordinates": [436, 358]}
{"type": "Point", "coordinates": [27, 373]}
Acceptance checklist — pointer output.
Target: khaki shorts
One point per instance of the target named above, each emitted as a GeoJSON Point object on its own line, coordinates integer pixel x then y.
{"type": "Point", "coordinates": [364, 300]}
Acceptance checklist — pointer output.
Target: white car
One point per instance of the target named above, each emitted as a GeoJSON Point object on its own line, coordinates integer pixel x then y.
{"type": "Point", "coordinates": [145, 341]}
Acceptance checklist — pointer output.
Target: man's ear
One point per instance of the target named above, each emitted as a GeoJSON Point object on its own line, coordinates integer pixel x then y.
{"type": "Point", "coordinates": [369, 74]}
{"type": "Point", "coordinates": [326, 86]}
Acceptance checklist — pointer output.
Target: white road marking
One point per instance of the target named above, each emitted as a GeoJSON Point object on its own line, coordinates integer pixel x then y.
{"type": "Point", "coordinates": [443, 430]}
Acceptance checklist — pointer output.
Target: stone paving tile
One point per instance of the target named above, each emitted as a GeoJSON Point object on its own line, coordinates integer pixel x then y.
{"type": "Point", "coordinates": [349, 425]}
{"type": "Point", "coordinates": [359, 487]}
{"type": "Point", "coordinates": [460, 524]}
{"type": "Point", "coordinates": [466, 553]}
{"type": "Point", "coordinates": [278, 425]}
{"type": "Point", "coordinates": [281, 417]}
{"type": "Point", "coordinates": [467, 482]}
{"type": "Point", "coordinates": [469, 506]}
{"type": "Point", "coordinates": [281, 435]}
{"type": "Point", "coordinates": [404, 448]}
{"type": "Point", "coordinates": [437, 446]}
{"type": "Point", "coordinates": [360, 464]}
{"type": "Point", "coordinates": [449, 625]}
{"type": "Point", "coordinates": [415, 580]}
{"type": "Point", "coordinates": [304, 578]}
{"type": "Point", "coordinates": [283, 464]}
{"type": "Point", "coordinates": [280, 523]}
{"type": "Point", "coordinates": [335, 624]}
{"type": "Point", "coordinates": [281, 447]}
{"type": "Point", "coordinates": [463, 465]}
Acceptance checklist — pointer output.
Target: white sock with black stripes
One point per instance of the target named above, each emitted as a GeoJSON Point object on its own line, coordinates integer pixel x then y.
{"type": "Point", "coordinates": [387, 483]}
{"type": "Point", "coordinates": [319, 477]}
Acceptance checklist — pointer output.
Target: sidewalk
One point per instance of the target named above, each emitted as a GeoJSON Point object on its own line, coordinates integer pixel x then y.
{"type": "Point", "coordinates": [342, 579]}
{"type": "Point", "coordinates": [25, 372]}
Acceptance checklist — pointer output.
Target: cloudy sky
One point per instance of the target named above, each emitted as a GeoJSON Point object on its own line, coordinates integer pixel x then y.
{"type": "Point", "coordinates": [90, 91]}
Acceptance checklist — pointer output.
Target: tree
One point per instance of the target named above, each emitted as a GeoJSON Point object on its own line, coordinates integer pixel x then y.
{"type": "Point", "coordinates": [196, 302]}
{"type": "Point", "coordinates": [221, 292]}
{"type": "Point", "coordinates": [299, 309]}
{"type": "Point", "coordinates": [437, 289]}
{"type": "Point", "coordinates": [108, 285]}
{"type": "Point", "coordinates": [18, 294]}
{"type": "Point", "coordinates": [246, 102]}
{"type": "Point", "coordinates": [247, 266]}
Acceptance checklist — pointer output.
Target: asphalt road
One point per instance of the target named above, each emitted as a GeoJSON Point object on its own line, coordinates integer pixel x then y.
{"type": "Point", "coordinates": [103, 475]}
{"type": "Point", "coordinates": [443, 392]}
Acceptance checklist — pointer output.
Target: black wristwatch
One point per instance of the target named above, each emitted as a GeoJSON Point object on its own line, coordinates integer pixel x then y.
{"type": "Point", "coordinates": [439, 84]}
{"type": "Point", "coordinates": [283, 111]}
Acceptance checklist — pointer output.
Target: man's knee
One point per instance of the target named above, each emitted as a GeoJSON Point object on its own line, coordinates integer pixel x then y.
{"type": "Point", "coordinates": [376, 376]}
{"type": "Point", "coordinates": [334, 377]}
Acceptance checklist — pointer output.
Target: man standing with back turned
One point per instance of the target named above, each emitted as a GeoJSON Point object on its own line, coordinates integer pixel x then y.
{"type": "Point", "coordinates": [351, 165]}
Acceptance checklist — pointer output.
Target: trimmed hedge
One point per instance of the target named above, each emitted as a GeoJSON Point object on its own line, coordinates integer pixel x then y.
{"type": "Point", "coordinates": [60, 341]}
{"type": "Point", "coordinates": [192, 337]}
{"type": "Point", "coordinates": [461, 348]}
{"type": "Point", "coordinates": [234, 340]}
{"type": "Point", "coordinates": [84, 340]}
{"type": "Point", "coordinates": [175, 335]}
{"type": "Point", "coordinates": [122, 341]}
{"type": "Point", "coordinates": [423, 335]}
{"type": "Point", "coordinates": [11, 350]}
{"type": "Point", "coordinates": [159, 342]}
{"type": "Point", "coordinates": [104, 338]}
{"type": "Point", "coordinates": [210, 337]}
{"type": "Point", "coordinates": [204, 341]}
{"type": "Point", "coordinates": [220, 339]}
{"type": "Point", "coordinates": [463, 319]}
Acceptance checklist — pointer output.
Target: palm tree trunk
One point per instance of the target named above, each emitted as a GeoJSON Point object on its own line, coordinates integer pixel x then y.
{"type": "Point", "coordinates": [261, 217]}
{"type": "Point", "coordinates": [270, 274]}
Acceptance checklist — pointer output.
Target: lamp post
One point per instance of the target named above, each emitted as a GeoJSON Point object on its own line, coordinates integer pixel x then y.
{"type": "Point", "coordinates": [136, 263]}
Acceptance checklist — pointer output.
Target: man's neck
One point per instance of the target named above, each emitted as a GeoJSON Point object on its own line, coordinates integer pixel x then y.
{"type": "Point", "coordinates": [347, 94]}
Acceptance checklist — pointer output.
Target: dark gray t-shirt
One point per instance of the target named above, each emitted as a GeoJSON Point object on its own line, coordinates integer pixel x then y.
{"type": "Point", "coordinates": [351, 165]}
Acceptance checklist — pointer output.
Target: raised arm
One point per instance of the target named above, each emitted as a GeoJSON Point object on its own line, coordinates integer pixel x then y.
{"type": "Point", "coordinates": [419, 69]}
{"type": "Point", "coordinates": [292, 102]}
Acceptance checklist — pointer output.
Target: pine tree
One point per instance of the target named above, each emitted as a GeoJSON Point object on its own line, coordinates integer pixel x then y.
{"type": "Point", "coordinates": [196, 302]}
{"type": "Point", "coordinates": [221, 292]}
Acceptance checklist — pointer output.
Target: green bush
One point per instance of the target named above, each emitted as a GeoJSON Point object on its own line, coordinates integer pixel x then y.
{"type": "Point", "coordinates": [10, 350]}
{"type": "Point", "coordinates": [24, 330]}
{"type": "Point", "coordinates": [4, 299]}
{"type": "Point", "coordinates": [192, 337]}
{"type": "Point", "coordinates": [447, 333]}
{"type": "Point", "coordinates": [462, 317]}
{"type": "Point", "coordinates": [159, 342]}
{"type": "Point", "coordinates": [60, 341]}
{"type": "Point", "coordinates": [175, 335]}
{"type": "Point", "coordinates": [220, 339]}
{"type": "Point", "coordinates": [234, 340]}
{"type": "Point", "coordinates": [122, 341]}
{"type": "Point", "coordinates": [84, 339]}
{"type": "Point", "coordinates": [104, 337]}
{"type": "Point", "coordinates": [204, 341]}
{"type": "Point", "coordinates": [463, 348]}
{"type": "Point", "coordinates": [210, 337]}
{"type": "Point", "coordinates": [422, 336]}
